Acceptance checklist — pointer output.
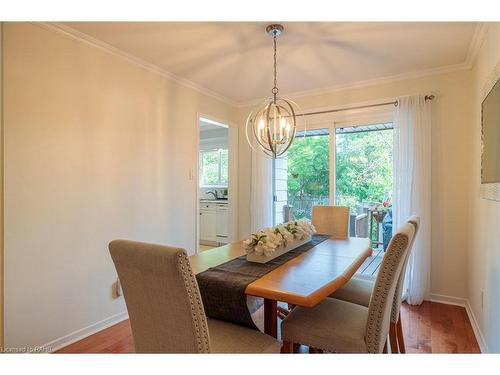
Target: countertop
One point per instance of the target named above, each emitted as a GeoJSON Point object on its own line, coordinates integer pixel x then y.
{"type": "Point", "coordinates": [223, 201]}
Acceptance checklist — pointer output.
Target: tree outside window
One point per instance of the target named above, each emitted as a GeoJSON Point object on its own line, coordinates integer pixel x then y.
{"type": "Point", "coordinates": [214, 167]}
{"type": "Point", "coordinates": [363, 164]}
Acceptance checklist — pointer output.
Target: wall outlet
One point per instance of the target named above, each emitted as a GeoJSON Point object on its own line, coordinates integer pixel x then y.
{"type": "Point", "coordinates": [116, 289]}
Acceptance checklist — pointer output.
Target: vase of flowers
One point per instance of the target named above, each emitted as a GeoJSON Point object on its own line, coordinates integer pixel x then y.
{"type": "Point", "coordinates": [269, 243]}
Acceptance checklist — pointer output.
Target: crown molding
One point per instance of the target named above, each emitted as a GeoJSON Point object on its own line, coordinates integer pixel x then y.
{"type": "Point", "coordinates": [472, 52]}
{"type": "Point", "coordinates": [367, 83]}
{"type": "Point", "coordinates": [69, 32]}
{"type": "Point", "coordinates": [476, 43]}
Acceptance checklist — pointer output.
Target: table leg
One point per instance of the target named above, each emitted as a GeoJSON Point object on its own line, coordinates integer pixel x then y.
{"type": "Point", "coordinates": [271, 317]}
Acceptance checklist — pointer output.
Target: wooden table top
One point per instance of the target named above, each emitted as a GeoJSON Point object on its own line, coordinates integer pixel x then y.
{"type": "Point", "coordinates": [306, 279]}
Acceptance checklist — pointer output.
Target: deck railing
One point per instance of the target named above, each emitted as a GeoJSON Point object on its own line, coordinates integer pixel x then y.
{"type": "Point", "coordinates": [302, 206]}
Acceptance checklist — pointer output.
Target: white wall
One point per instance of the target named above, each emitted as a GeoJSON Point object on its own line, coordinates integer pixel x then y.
{"type": "Point", "coordinates": [450, 158]}
{"type": "Point", "coordinates": [96, 148]}
{"type": "Point", "coordinates": [484, 244]}
{"type": "Point", "coordinates": [1, 186]}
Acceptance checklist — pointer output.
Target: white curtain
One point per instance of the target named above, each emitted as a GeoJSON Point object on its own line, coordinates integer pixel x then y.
{"type": "Point", "coordinates": [261, 192]}
{"type": "Point", "coordinates": [412, 188]}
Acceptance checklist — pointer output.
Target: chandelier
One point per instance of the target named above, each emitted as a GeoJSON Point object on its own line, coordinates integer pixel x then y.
{"type": "Point", "coordinates": [273, 124]}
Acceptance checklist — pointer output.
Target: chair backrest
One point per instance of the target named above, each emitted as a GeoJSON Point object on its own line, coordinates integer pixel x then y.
{"type": "Point", "coordinates": [361, 225]}
{"type": "Point", "coordinates": [381, 301]}
{"type": "Point", "coordinates": [415, 221]}
{"type": "Point", "coordinates": [162, 296]}
{"type": "Point", "coordinates": [331, 220]}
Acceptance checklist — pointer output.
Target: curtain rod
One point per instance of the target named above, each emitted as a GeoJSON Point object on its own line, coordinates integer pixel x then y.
{"type": "Point", "coordinates": [394, 103]}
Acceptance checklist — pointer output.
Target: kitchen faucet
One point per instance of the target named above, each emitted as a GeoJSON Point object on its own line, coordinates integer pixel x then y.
{"type": "Point", "coordinates": [214, 193]}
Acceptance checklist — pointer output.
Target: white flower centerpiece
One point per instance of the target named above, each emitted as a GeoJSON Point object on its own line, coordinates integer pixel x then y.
{"type": "Point", "coordinates": [270, 243]}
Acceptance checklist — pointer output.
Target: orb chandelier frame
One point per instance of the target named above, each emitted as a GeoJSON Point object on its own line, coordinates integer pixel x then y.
{"type": "Point", "coordinates": [273, 124]}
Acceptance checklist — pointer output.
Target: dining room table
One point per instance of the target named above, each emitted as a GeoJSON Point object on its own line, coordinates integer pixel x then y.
{"type": "Point", "coordinates": [304, 280]}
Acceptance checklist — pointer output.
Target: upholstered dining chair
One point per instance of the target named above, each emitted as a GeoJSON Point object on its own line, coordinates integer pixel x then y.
{"type": "Point", "coordinates": [344, 327]}
{"type": "Point", "coordinates": [165, 308]}
{"type": "Point", "coordinates": [359, 291]}
{"type": "Point", "coordinates": [331, 220]}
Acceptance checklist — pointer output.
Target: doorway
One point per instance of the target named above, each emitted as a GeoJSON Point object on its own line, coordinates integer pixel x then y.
{"type": "Point", "coordinates": [216, 196]}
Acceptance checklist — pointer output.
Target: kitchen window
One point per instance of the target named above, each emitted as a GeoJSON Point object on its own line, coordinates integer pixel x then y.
{"type": "Point", "coordinates": [214, 168]}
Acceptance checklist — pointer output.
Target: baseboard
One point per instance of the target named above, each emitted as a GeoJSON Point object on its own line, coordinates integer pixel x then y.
{"type": "Point", "coordinates": [475, 327]}
{"type": "Point", "coordinates": [464, 302]}
{"type": "Point", "coordinates": [75, 336]}
{"type": "Point", "coordinates": [449, 300]}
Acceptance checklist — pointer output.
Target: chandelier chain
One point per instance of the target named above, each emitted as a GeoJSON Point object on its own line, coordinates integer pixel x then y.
{"type": "Point", "coordinates": [271, 127]}
{"type": "Point", "coordinates": [275, 88]}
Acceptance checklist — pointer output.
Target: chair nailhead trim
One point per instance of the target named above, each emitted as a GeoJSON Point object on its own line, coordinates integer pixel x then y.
{"type": "Point", "coordinates": [380, 293]}
{"type": "Point", "coordinates": [197, 312]}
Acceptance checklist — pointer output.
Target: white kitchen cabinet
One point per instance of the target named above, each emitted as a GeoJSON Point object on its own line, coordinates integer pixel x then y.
{"type": "Point", "coordinates": [214, 222]}
{"type": "Point", "coordinates": [208, 222]}
{"type": "Point", "coordinates": [222, 225]}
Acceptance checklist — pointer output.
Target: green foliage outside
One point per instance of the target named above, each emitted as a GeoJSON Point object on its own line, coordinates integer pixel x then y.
{"type": "Point", "coordinates": [214, 167]}
{"type": "Point", "coordinates": [308, 167]}
{"type": "Point", "coordinates": [224, 167]}
{"type": "Point", "coordinates": [363, 165]}
{"type": "Point", "coordinates": [308, 174]}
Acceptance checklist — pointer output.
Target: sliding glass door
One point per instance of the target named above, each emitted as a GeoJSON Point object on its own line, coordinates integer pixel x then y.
{"type": "Point", "coordinates": [344, 164]}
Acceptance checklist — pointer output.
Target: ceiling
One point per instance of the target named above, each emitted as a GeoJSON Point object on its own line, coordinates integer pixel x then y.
{"type": "Point", "coordinates": [234, 60]}
{"type": "Point", "coordinates": [207, 126]}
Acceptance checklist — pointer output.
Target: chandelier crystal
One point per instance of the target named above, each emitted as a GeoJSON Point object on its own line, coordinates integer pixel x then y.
{"type": "Point", "coordinates": [273, 124]}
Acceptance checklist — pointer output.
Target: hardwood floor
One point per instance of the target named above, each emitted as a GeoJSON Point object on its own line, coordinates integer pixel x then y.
{"type": "Point", "coordinates": [429, 328]}
{"type": "Point", "coordinates": [438, 328]}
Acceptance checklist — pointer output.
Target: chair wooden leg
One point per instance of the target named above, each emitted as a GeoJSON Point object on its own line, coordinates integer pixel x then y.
{"type": "Point", "coordinates": [287, 347]}
{"type": "Point", "coordinates": [401, 340]}
{"type": "Point", "coordinates": [385, 347]}
{"type": "Point", "coordinates": [393, 338]}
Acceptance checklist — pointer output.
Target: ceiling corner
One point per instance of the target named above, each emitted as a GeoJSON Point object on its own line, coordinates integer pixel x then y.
{"type": "Point", "coordinates": [476, 43]}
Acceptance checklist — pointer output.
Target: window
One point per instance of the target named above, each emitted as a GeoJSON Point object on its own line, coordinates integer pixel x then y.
{"type": "Point", "coordinates": [214, 167]}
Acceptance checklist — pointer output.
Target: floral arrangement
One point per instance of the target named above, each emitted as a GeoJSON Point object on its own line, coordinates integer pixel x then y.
{"type": "Point", "coordinates": [384, 206]}
{"type": "Point", "coordinates": [267, 240]}
{"type": "Point", "coordinates": [380, 209]}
